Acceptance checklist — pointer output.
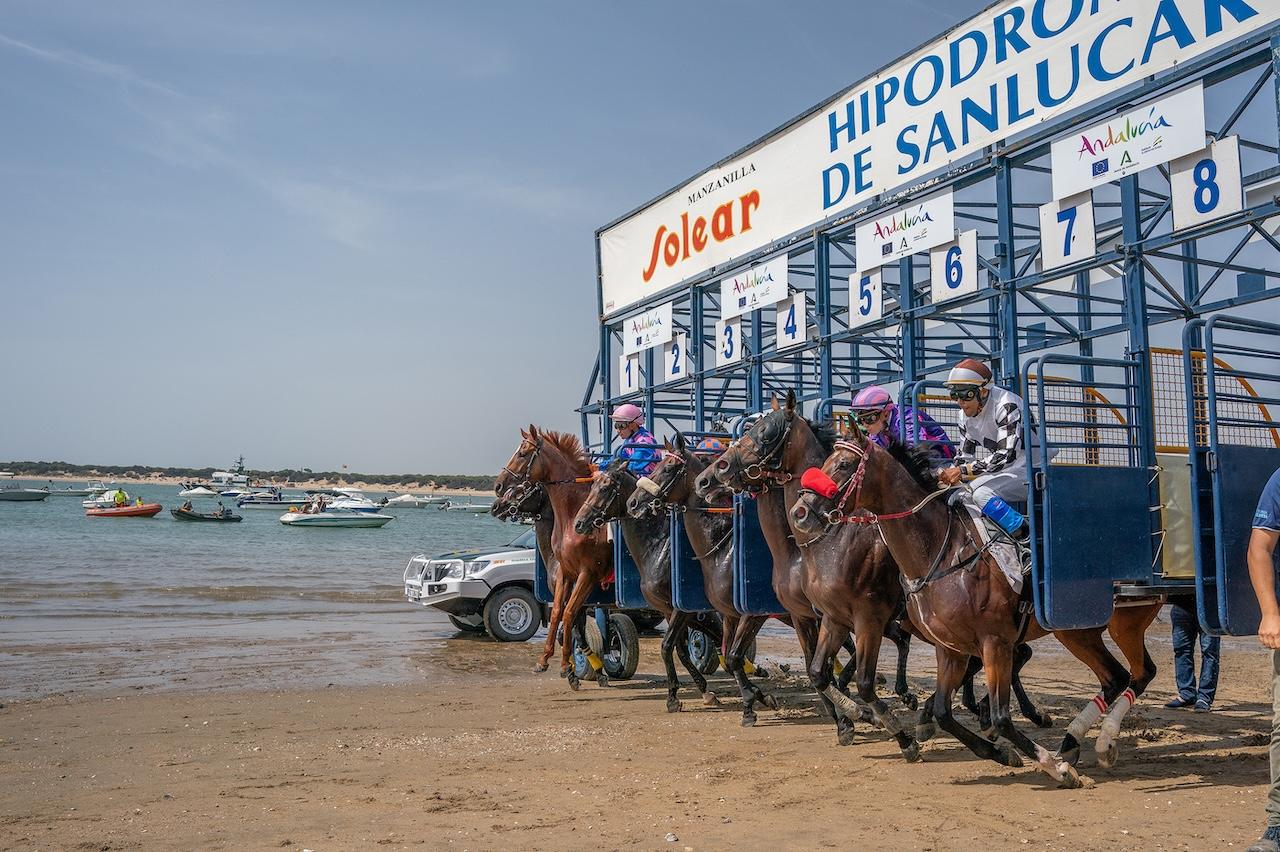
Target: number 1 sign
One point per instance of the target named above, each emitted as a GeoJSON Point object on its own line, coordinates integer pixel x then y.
{"type": "Point", "coordinates": [629, 378]}
{"type": "Point", "coordinates": [1066, 231]}
{"type": "Point", "coordinates": [953, 268]}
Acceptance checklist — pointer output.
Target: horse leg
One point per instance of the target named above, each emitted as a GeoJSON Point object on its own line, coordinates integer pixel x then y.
{"type": "Point", "coordinates": [553, 623]}
{"type": "Point", "coordinates": [997, 659]}
{"type": "Point", "coordinates": [969, 699]}
{"type": "Point", "coordinates": [902, 641]}
{"type": "Point", "coordinates": [868, 638]}
{"type": "Point", "coordinates": [581, 588]}
{"type": "Point", "coordinates": [951, 669]}
{"type": "Point", "coordinates": [831, 637]}
{"type": "Point", "coordinates": [670, 640]}
{"type": "Point", "coordinates": [1128, 628]}
{"type": "Point", "coordinates": [1032, 713]}
{"type": "Point", "coordinates": [682, 651]}
{"type": "Point", "coordinates": [1113, 679]}
{"type": "Point", "coordinates": [747, 627]}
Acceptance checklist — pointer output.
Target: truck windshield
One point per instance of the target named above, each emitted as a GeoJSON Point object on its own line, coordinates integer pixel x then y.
{"type": "Point", "coordinates": [525, 539]}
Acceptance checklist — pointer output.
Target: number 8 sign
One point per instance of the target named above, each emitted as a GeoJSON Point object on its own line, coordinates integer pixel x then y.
{"type": "Point", "coordinates": [1206, 185]}
{"type": "Point", "coordinates": [953, 268]}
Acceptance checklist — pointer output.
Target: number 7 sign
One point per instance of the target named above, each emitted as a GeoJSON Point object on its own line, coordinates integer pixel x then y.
{"type": "Point", "coordinates": [1066, 231]}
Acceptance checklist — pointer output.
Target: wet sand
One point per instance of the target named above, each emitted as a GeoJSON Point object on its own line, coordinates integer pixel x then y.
{"type": "Point", "coordinates": [471, 750]}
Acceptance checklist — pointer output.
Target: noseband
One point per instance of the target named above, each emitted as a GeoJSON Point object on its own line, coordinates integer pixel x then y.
{"type": "Point", "coordinates": [853, 488]}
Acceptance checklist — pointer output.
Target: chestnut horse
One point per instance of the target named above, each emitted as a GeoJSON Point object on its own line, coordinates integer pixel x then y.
{"type": "Point", "coordinates": [556, 460]}
{"type": "Point", "coordinates": [648, 539]}
{"type": "Point", "coordinates": [957, 595]}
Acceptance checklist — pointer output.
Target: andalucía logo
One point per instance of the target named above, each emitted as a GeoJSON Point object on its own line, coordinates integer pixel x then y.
{"type": "Point", "coordinates": [907, 220]}
{"type": "Point", "coordinates": [1125, 134]}
{"type": "Point", "coordinates": [1101, 167]}
{"type": "Point", "coordinates": [644, 325]}
{"type": "Point", "coordinates": [747, 285]}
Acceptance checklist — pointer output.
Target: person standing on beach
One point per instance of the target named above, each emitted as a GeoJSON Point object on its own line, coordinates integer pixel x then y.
{"type": "Point", "coordinates": [1262, 574]}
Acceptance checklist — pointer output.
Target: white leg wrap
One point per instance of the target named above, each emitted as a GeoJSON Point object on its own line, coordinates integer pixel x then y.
{"type": "Point", "coordinates": [1111, 725]}
{"type": "Point", "coordinates": [1088, 717]}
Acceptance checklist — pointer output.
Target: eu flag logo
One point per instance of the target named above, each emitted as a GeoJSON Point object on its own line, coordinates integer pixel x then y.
{"type": "Point", "coordinates": [887, 248]}
{"type": "Point", "coordinates": [639, 341]}
{"type": "Point", "coordinates": [1101, 167]}
{"type": "Point", "coordinates": [742, 301]}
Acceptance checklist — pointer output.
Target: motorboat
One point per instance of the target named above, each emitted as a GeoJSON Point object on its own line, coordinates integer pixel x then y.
{"type": "Point", "coordinates": [346, 498]}
{"type": "Point", "coordinates": [14, 492]}
{"type": "Point", "coordinates": [7, 474]}
{"type": "Point", "coordinates": [414, 501]}
{"type": "Point", "coordinates": [226, 516]}
{"type": "Point", "coordinates": [70, 491]}
{"type": "Point", "coordinates": [192, 490]}
{"type": "Point", "coordinates": [332, 517]}
{"type": "Point", "coordinates": [272, 499]}
{"type": "Point", "coordinates": [106, 499]}
{"type": "Point", "coordinates": [129, 510]}
{"type": "Point", "coordinates": [231, 483]}
{"type": "Point", "coordinates": [474, 508]}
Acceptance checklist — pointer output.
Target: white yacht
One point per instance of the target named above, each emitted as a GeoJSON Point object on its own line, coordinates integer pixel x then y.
{"type": "Point", "coordinates": [14, 492]}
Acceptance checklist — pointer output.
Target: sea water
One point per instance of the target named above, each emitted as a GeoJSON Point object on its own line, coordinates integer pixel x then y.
{"type": "Point", "coordinates": [94, 604]}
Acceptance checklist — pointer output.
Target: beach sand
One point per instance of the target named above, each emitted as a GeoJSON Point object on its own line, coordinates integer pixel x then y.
{"type": "Point", "coordinates": [471, 750]}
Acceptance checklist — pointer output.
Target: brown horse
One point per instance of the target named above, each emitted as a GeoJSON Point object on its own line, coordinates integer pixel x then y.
{"type": "Point", "coordinates": [556, 460]}
{"type": "Point", "coordinates": [648, 539]}
{"type": "Point", "coordinates": [709, 525]}
{"type": "Point", "coordinates": [957, 594]}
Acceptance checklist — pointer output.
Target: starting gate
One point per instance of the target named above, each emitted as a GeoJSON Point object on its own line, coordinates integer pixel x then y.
{"type": "Point", "coordinates": [1101, 275]}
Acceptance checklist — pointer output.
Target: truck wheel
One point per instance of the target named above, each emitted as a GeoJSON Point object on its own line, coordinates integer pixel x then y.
{"type": "Point", "coordinates": [703, 653]}
{"type": "Point", "coordinates": [468, 623]}
{"type": "Point", "coordinates": [623, 655]}
{"type": "Point", "coordinates": [511, 614]}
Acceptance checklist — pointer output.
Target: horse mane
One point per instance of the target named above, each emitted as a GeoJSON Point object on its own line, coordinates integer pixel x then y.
{"type": "Point", "coordinates": [918, 461]}
{"type": "Point", "coordinates": [571, 448]}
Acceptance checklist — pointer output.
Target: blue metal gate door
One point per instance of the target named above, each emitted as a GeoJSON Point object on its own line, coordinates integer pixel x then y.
{"type": "Point", "coordinates": [752, 562]}
{"type": "Point", "coordinates": [1091, 495]}
{"type": "Point", "coordinates": [626, 574]}
{"type": "Point", "coordinates": [688, 592]}
{"type": "Point", "coordinates": [1235, 448]}
{"type": "Point", "coordinates": [599, 596]}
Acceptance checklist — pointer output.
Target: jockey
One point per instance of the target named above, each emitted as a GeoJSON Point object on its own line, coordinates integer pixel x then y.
{"type": "Point", "coordinates": [627, 421]}
{"type": "Point", "coordinates": [885, 422]}
{"type": "Point", "coordinates": [990, 419]}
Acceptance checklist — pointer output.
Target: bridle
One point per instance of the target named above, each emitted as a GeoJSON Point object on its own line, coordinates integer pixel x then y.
{"type": "Point", "coordinates": [661, 492]}
{"type": "Point", "coordinates": [760, 474]}
{"type": "Point", "coordinates": [614, 490]}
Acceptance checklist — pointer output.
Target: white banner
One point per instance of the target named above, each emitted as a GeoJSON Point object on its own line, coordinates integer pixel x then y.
{"type": "Point", "coordinates": [1147, 136]}
{"type": "Point", "coordinates": [757, 287]}
{"type": "Point", "coordinates": [646, 330]}
{"type": "Point", "coordinates": [917, 227]}
{"type": "Point", "coordinates": [1014, 65]}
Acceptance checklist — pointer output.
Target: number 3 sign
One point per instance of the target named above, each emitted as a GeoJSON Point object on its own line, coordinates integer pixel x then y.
{"type": "Point", "coordinates": [728, 341]}
{"type": "Point", "coordinates": [953, 268]}
{"type": "Point", "coordinates": [1206, 185]}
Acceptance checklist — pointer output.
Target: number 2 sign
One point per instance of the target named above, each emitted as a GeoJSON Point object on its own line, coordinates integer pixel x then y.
{"type": "Point", "coordinates": [675, 358]}
{"type": "Point", "coordinates": [629, 378]}
{"type": "Point", "coordinates": [1206, 185]}
{"type": "Point", "coordinates": [1066, 231]}
{"type": "Point", "coordinates": [866, 298]}
{"type": "Point", "coordinates": [953, 268]}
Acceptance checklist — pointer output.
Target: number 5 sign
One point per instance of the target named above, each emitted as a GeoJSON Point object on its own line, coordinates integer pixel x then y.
{"type": "Point", "coordinates": [866, 298]}
{"type": "Point", "coordinates": [1206, 185]}
{"type": "Point", "coordinates": [629, 373]}
{"type": "Point", "coordinates": [1066, 231]}
{"type": "Point", "coordinates": [953, 268]}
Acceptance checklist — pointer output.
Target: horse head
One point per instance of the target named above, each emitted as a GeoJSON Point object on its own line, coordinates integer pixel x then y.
{"type": "Point", "coordinates": [831, 489]}
{"type": "Point", "coordinates": [607, 499]}
{"type": "Point", "coordinates": [667, 483]}
{"type": "Point", "coordinates": [757, 455]}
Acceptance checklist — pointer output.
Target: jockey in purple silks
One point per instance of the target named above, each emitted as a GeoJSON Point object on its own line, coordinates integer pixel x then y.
{"type": "Point", "coordinates": [884, 421]}
{"type": "Point", "coordinates": [627, 420]}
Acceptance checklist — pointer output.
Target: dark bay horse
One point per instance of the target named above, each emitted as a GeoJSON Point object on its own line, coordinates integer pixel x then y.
{"type": "Point", "coordinates": [709, 525]}
{"type": "Point", "coordinates": [959, 597]}
{"type": "Point", "coordinates": [648, 539]}
{"type": "Point", "coordinates": [849, 577]}
{"type": "Point", "coordinates": [556, 461]}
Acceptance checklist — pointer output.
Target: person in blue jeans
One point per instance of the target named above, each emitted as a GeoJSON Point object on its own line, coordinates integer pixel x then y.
{"type": "Point", "coordinates": [1186, 628]}
{"type": "Point", "coordinates": [1262, 575]}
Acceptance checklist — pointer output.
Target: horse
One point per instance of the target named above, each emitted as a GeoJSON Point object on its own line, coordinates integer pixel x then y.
{"type": "Point", "coordinates": [557, 461]}
{"type": "Point", "coordinates": [709, 525]}
{"type": "Point", "coordinates": [957, 595]}
{"type": "Point", "coordinates": [648, 538]}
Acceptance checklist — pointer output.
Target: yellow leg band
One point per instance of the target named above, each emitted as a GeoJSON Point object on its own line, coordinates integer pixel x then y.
{"type": "Point", "coordinates": [748, 667]}
{"type": "Point", "coordinates": [836, 668]}
{"type": "Point", "coordinates": [723, 664]}
{"type": "Point", "coordinates": [596, 662]}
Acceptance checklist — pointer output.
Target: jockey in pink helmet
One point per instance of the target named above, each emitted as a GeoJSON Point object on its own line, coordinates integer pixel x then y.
{"type": "Point", "coordinates": [876, 413]}
{"type": "Point", "coordinates": [628, 422]}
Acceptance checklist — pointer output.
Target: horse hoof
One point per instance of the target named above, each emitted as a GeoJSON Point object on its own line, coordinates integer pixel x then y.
{"type": "Point", "coordinates": [990, 734]}
{"type": "Point", "coordinates": [1071, 756]}
{"type": "Point", "coordinates": [539, 668]}
{"type": "Point", "coordinates": [602, 679]}
{"type": "Point", "coordinates": [926, 732]}
{"type": "Point", "coordinates": [768, 700]}
{"type": "Point", "coordinates": [1007, 756]}
{"type": "Point", "coordinates": [674, 705]}
{"type": "Point", "coordinates": [1070, 778]}
{"type": "Point", "coordinates": [574, 683]}
{"type": "Point", "coordinates": [748, 721]}
{"type": "Point", "coordinates": [1107, 756]}
{"type": "Point", "coordinates": [760, 673]}
{"type": "Point", "coordinates": [910, 701]}
{"type": "Point", "coordinates": [846, 736]}
{"type": "Point", "coordinates": [1044, 720]}
{"type": "Point", "coordinates": [912, 752]}
{"type": "Point", "coordinates": [710, 699]}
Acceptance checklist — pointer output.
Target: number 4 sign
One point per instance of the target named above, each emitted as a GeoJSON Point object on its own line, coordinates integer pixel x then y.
{"type": "Point", "coordinates": [1206, 185]}
{"type": "Point", "coordinates": [675, 358]}
{"type": "Point", "coordinates": [866, 298]}
{"type": "Point", "coordinates": [793, 327]}
{"type": "Point", "coordinates": [1066, 231]}
{"type": "Point", "coordinates": [953, 268]}
{"type": "Point", "coordinates": [629, 379]}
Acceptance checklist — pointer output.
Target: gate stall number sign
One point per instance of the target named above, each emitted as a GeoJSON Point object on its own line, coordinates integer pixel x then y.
{"type": "Point", "coordinates": [1066, 231]}
{"type": "Point", "coordinates": [629, 378]}
{"type": "Point", "coordinates": [1206, 185]}
{"type": "Point", "coordinates": [953, 268]}
{"type": "Point", "coordinates": [728, 341]}
{"type": "Point", "coordinates": [675, 358]}
{"type": "Point", "coordinates": [793, 327]}
{"type": "Point", "coordinates": [866, 298]}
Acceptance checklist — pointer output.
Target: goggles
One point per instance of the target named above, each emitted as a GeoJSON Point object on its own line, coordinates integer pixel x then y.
{"type": "Point", "coordinates": [619, 425]}
{"type": "Point", "coordinates": [965, 394]}
{"type": "Point", "coordinates": [866, 418]}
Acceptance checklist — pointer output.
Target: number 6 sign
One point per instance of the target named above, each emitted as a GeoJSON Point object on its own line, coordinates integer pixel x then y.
{"type": "Point", "coordinates": [1206, 185]}
{"type": "Point", "coordinates": [953, 268]}
{"type": "Point", "coordinates": [1066, 231]}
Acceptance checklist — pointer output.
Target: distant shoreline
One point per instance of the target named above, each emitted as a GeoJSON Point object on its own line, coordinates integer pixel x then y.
{"type": "Point", "coordinates": [156, 479]}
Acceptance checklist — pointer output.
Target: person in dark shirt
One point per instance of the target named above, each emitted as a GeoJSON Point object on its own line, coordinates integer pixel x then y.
{"type": "Point", "coordinates": [1262, 574]}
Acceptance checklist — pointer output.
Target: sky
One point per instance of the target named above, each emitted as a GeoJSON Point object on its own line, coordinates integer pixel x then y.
{"type": "Point", "coordinates": [322, 234]}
